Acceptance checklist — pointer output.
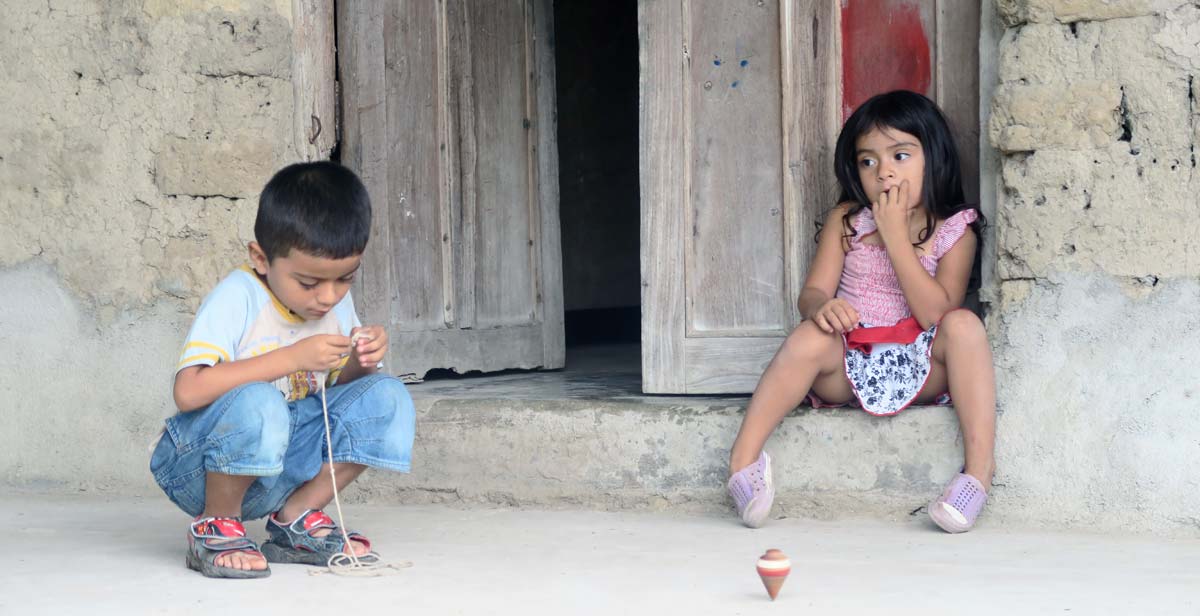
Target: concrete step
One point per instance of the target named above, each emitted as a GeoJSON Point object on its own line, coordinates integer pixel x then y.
{"type": "Point", "coordinates": [665, 453]}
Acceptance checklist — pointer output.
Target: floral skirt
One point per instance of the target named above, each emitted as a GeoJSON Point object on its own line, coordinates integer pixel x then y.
{"type": "Point", "coordinates": [887, 366]}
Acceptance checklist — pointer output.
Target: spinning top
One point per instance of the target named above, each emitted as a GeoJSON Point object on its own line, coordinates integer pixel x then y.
{"type": "Point", "coordinates": [773, 568]}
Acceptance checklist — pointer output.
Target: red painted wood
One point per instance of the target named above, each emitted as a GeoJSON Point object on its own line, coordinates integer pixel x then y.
{"type": "Point", "coordinates": [884, 48]}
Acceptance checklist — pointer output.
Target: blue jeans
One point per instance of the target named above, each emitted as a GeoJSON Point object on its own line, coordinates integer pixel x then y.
{"type": "Point", "coordinates": [252, 430]}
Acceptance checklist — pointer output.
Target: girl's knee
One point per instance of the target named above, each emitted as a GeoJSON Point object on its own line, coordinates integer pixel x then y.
{"type": "Point", "coordinates": [962, 324]}
{"type": "Point", "coordinates": [810, 342]}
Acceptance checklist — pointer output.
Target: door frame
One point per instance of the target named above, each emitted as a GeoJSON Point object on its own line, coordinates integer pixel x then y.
{"type": "Point", "coordinates": [315, 121]}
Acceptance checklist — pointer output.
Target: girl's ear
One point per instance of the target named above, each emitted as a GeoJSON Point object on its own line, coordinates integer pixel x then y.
{"type": "Point", "coordinates": [258, 259]}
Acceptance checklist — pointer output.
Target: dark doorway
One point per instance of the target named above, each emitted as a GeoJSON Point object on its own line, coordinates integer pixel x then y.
{"type": "Point", "coordinates": [596, 68]}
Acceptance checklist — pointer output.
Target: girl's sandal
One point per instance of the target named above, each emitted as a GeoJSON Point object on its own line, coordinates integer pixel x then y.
{"type": "Point", "coordinates": [211, 537]}
{"type": "Point", "coordinates": [753, 491]}
{"type": "Point", "coordinates": [959, 505]}
{"type": "Point", "coordinates": [295, 543]}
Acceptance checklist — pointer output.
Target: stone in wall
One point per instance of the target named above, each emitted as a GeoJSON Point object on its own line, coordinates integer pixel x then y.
{"type": "Point", "coordinates": [1101, 210]}
{"type": "Point", "coordinates": [1064, 115]}
{"type": "Point", "coordinates": [135, 138]}
{"type": "Point", "coordinates": [1017, 12]}
{"type": "Point", "coordinates": [230, 146]}
{"type": "Point", "coordinates": [1099, 123]}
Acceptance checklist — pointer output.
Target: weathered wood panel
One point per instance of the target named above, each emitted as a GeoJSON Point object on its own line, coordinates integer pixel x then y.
{"type": "Point", "coordinates": [314, 114]}
{"type": "Point", "coordinates": [957, 83]}
{"type": "Point", "coordinates": [663, 60]}
{"type": "Point", "coordinates": [506, 199]}
{"type": "Point", "coordinates": [449, 122]}
{"type": "Point", "coordinates": [811, 73]}
{"type": "Point", "coordinates": [720, 365]}
{"type": "Point", "coordinates": [735, 276]}
{"type": "Point", "coordinates": [414, 110]}
{"type": "Point", "coordinates": [545, 153]}
{"type": "Point", "coordinates": [364, 149]}
{"type": "Point", "coordinates": [462, 350]}
{"type": "Point", "coordinates": [738, 84]}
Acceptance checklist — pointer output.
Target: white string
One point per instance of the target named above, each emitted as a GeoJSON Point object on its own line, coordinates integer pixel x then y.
{"type": "Point", "coordinates": [346, 562]}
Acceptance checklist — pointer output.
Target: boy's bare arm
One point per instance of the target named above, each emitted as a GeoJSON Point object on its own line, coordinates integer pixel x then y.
{"type": "Point", "coordinates": [199, 386]}
{"type": "Point", "coordinates": [370, 347]}
{"type": "Point", "coordinates": [353, 370]}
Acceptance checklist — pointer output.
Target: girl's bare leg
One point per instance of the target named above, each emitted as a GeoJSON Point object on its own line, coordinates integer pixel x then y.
{"type": "Point", "coordinates": [962, 362]}
{"type": "Point", "coordinates": [809, 359]}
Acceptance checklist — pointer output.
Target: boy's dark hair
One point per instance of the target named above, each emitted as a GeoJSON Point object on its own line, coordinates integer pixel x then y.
{"type": "Point", "coordinates": [912, 113]}
{"type": "Point", "coordinates": [319, 208]}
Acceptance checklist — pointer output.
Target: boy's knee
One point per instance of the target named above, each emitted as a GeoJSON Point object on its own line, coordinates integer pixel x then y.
{"type": "Point", "coordinates": [379, 426]}
{"type": "Point", "coordinates": [387, 403]}
{"type": "Point", "coordinates": [388, 393]}
{"type": "Point", "coordinates": [382, 386]}
{"type": "Point", "coordinates": [257, 417]}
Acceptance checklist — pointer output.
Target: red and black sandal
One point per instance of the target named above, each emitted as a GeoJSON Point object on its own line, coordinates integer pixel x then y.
{"type": "Point", "coordinates": [295, 543]}
{"type": "Point", "coordinates": [211, 537]}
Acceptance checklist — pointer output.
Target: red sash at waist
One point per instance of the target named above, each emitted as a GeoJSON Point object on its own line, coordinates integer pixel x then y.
{"type": "Point", "coordinates": [903, 332]}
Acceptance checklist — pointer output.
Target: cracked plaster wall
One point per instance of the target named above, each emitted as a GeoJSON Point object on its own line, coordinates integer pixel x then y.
{"type": "Point", "coordinates": [134, 140]}
{"type": "Point", "coordinates": [1095, 321]}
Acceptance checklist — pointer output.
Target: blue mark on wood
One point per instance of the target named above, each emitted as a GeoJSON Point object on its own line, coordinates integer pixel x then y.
{"type": "Point", "coordinates": [734, 84]}
{"type": "Point", "coordinates": [744, 62]}
{"type": "Point", "coordinates": [717, 62]}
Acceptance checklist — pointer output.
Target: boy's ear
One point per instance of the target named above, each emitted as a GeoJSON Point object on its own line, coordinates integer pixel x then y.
{"type": "Point", "coordinates": [258, 259]}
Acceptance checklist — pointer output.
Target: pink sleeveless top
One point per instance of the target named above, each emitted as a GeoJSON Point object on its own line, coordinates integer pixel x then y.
{"type": "Point", "coordinates": [868, 281]}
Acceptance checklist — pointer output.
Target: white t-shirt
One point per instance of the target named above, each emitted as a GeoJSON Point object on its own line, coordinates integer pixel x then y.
{"type": "Point", "coordinates": [241, 318]}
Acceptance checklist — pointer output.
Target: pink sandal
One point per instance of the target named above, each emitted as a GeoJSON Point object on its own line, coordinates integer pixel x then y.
{"type": "Point", "coordinates": [753, 492]}
{"type": "Point", "coordinates": [959, 505]}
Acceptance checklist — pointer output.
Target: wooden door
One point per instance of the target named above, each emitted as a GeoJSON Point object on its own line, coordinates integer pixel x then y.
{"type": "Point", "coordinates": [741, 102]}
{"type": "Point", "coordinates": [448, 117]}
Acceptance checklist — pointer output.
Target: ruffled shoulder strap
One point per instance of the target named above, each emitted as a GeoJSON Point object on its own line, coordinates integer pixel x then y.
{"type": "Point", "coordinates": [952, 230]}
{"type": "Point", "coordinates": [864, 225]}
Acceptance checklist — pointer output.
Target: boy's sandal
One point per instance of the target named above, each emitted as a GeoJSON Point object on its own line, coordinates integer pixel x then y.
{"type": "Point", "coordinates": [212, 537]}
{"type": "Point", "coordinates": [959, 505]}
{"type": "Point", "coordinates": [295, 543]}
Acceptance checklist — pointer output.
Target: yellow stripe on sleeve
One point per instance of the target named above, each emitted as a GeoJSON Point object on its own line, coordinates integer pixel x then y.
{"type": "Point", "coordinates": [187, 360]}
{"type": "Point", "coordinates": [211, 347]}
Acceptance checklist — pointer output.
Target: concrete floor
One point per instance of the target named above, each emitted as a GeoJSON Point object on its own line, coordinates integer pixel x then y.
{"type": "Point", "coordinates": [75, 555]}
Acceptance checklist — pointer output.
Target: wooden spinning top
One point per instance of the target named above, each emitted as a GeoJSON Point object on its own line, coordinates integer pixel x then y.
{"type": "Point", "coordinates": [773, 568]}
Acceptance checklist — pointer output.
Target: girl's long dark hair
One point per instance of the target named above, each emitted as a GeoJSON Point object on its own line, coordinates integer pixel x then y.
{"type": "Point", "coordinates": [942, 192]}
